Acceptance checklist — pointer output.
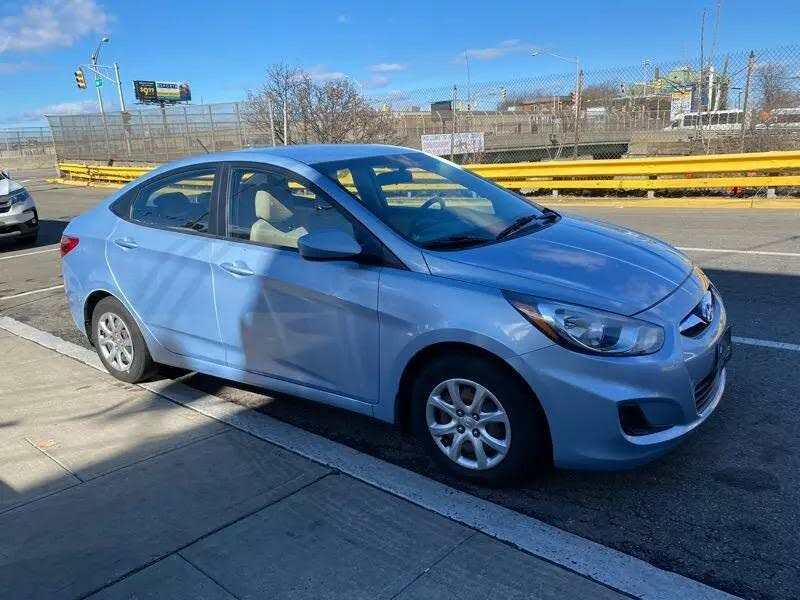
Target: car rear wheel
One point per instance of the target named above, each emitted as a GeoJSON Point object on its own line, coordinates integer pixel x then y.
{"type": "Point", "coordinates": [119, 343]}
{"type": "Point", "coordinates": [478, 423]}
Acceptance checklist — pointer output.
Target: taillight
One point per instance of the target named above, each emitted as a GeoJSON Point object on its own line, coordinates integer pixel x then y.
{"type": "Point", "coordinates": [68, 244]}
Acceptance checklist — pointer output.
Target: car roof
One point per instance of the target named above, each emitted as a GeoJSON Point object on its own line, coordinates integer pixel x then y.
{"type": "Point", "coordinates": [318, 153]}
{"type": "Point", "coordinates": [304, 154]}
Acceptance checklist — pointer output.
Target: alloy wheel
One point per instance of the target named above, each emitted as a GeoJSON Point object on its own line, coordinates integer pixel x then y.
{"type": "Point", "coordinates": [114, 341]}
{"type": "Point", "coordinates": [468, 424]}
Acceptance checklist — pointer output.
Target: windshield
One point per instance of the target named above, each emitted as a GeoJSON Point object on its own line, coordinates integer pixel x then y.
{"type": "Point", "coordinates": [433, 203]}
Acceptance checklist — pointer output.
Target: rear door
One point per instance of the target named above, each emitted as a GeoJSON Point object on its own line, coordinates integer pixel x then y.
{"type": "Point", "coordinates": [312, 323]}
{"type": "Point", "coordinates": [159, 255]}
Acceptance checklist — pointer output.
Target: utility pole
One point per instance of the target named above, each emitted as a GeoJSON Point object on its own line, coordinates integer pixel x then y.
{"type": "Point", "coordinates": [119, 88]}
{"type": "Point", "coordinates": [751, 62]}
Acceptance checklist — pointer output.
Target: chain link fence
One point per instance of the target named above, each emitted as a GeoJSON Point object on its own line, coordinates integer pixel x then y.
{"type": "Point", "coordinates": [25, 142]}
{"type": "Point", "coordinates": [725, 103]}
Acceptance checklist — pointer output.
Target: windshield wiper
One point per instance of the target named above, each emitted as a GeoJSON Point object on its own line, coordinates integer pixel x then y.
{"type": "Point", "coordinates": [548, 215]}
{"type": "Point", "coordinates": [456, 241]}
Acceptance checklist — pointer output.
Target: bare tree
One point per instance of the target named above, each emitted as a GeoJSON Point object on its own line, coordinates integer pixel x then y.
{"type": "Point", "coordinates": [599, 94]}
{"type": "Point", "coordinates": [776, 86]}
{"type": "Point", "coordinates": [327, 112]}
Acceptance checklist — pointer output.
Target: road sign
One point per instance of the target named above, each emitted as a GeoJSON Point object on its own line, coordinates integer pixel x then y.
{"type": "Point", "coordinates": [98, 82]}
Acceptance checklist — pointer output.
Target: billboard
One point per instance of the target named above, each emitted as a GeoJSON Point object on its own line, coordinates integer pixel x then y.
{"type": "Point", "coordinates": [162, 91]}
{"type": "Point", "coordinates": [462, 143]}
{"type": "Point", "coordinates": [681, 103]}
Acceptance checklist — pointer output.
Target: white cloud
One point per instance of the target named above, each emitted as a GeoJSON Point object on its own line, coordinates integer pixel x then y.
{"type": "Point", "coordinates": [80, 107]}
{"type": "Point", "coordinates": [502, 49]}
{"type": "Point", "coordinates": [343, 19]}
{"type": "Point", "coordinates": [322, 73]}
{"type": "Point", "coordinates": [387, 67]}
{"type": "Point", "coordinates": [376, 81]}
{"type": "Point", "coordinates": [51, 24]}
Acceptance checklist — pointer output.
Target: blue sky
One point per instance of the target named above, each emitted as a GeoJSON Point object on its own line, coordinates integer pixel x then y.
{"type": "Point", "coordinates": [387, 46]}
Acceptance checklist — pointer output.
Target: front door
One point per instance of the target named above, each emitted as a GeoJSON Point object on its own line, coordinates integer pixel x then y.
{"type": "Point", "coordinates": [312, 323]}
{"type": "Point", "coordinates": [160, 256]}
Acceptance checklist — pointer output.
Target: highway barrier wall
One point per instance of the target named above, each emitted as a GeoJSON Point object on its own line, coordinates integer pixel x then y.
{"type": "Point", "coordinates": [768, 170]}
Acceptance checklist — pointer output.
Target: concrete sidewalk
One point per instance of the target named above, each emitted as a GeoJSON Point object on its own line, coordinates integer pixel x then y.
{"type": "Point", "coordinates": [110, 491]}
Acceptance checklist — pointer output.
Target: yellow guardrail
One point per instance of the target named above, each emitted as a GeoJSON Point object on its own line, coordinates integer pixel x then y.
{"type": "Point", "coordinates": [716, 171]}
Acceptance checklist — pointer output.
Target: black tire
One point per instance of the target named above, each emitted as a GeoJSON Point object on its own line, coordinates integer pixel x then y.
{"type": "Point", "coordinates": [530, 447]}
{"type": "Point", "coordinates": [142, 367]}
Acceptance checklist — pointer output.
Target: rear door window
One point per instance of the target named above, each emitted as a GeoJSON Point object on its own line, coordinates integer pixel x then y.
{"type": "Point", "coordinates": [182, 201]}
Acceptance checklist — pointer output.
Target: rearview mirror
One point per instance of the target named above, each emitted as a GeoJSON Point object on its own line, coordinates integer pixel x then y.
{"type": "Point", "coordinates": [328, 244]}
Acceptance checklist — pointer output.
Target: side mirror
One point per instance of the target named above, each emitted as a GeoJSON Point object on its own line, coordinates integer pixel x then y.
{"type": "Point", "coordinates": [328, 244]}
{"type": "Point", "coordinates": [5, 174]}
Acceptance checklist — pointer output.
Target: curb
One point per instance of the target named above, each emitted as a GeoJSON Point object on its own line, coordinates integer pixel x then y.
{"type": "Point", "coordinates": [592, 560]}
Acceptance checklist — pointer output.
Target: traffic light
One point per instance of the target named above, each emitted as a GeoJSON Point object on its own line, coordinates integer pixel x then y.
{"type": "Point", "coordinates": [80, 79]}
{"type": "Point", "coordinates": [572, 97]}
{"type": "Point", "coordinates": [503, 93]}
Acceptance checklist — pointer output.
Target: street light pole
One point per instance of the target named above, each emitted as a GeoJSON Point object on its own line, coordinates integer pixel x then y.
{"type": "Point", "coordinates": [578, 77]}
{"type": "Point", "coordinates": [95, 56]}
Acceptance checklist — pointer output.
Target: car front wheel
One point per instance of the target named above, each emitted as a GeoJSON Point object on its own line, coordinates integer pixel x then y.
{"type": "Point", "coordinates": [477, 422]}
{"type": "Point", "coordinates": [119, 343]}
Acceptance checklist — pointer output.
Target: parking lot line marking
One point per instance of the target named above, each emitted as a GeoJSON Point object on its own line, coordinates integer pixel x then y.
{"type": "Point", "coordinates": [766, 343]}
{"type": "Point", "coordinates": [731, 251]}
{"type": "Point", "coordinates": [41, 291]}
{"type": "Point", "coordinates": [28, 254]}
{"type": "Point", "coordinates": [610, 567]}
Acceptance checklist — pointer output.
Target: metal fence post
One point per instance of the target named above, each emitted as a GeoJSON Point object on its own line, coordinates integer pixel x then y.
{"type": "Point", "coordinates": [238, 124]}
{"type": "Point", "coordinates": [164, 132]}
{"type": "Point", "coordinates": [187, 139]}
{"type": "Point", "coordinates": [211, 122]}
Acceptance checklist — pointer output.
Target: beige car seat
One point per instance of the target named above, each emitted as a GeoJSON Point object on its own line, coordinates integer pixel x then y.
{"type": "Point", "coordinates": [270, 210]}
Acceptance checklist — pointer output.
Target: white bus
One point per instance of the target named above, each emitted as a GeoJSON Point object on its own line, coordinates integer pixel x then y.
{"type": "Point", "coordinates": [715, 120]}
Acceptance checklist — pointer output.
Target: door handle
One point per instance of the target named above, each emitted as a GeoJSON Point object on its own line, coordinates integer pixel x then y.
{"type": "Point", "coordinates": [126, 243]}
{"type": "Point", "coordinates": [237, 269]}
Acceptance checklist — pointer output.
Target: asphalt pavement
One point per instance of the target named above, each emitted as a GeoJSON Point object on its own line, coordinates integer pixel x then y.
{"type": "Point", "coordinates": [721, 509]}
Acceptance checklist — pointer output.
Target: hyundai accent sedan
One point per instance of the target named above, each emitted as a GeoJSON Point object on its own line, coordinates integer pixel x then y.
{"type": "Point", "coordinates": [395, 284]}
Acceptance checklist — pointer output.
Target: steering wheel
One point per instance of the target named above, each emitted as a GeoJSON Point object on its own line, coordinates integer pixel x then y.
{"type": "Point", "coordinates": [422, 216]}
{"type": "Point", "coordinates": [437, 199]}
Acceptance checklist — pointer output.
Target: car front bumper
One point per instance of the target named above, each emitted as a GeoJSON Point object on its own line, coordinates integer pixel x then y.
{"type": "Point", "coordinates": [18, 220]}
{"type": "Point", "coordinates": [676, 389]}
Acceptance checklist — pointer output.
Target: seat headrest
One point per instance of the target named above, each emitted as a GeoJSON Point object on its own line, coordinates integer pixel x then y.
{"type": "Point", "coordinates": [269, 208]}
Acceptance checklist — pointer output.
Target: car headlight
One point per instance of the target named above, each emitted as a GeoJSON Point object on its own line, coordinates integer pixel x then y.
{"type": "Point", "coordinates": [19, 196]}
{"type": "Point", "coordinates": [589, 330]}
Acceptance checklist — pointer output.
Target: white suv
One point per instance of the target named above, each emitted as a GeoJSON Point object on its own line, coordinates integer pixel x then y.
{"type": "Point", "coordinates": [18, 217]}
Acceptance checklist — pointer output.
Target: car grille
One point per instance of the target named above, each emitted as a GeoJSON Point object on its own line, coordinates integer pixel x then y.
{"type": "Point", "coordinates": [705, 390]}
{"type": "Point", "coordinates": [4, 208]}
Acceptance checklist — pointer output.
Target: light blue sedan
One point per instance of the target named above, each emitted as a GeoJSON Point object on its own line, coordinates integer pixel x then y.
{"type": "Point", "coordinates": [395, 284]}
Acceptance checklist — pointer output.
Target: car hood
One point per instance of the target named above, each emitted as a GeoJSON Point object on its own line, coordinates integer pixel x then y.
{"type": "Point", "coordinates": [7, 186]}
{"type": "Point", "coordinates": [574, 260]}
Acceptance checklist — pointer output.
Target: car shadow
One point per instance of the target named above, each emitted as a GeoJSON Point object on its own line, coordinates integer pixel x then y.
{"type": "Point", "coordinates": [50, 231]}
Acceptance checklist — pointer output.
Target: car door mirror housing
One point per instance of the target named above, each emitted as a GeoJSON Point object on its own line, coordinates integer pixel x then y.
{"type": "Point", "coordinates": [329, 244]}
